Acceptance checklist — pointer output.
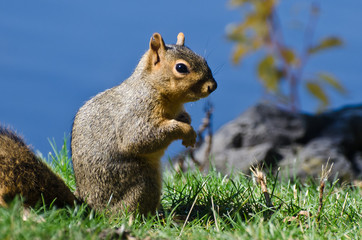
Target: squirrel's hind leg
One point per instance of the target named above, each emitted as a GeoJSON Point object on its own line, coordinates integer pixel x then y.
{"type": "Point", "coordinates": [2, 202]}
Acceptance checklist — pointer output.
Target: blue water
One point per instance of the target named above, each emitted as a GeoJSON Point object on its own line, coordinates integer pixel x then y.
{"type": "Point", "coordinates": [55, 55]}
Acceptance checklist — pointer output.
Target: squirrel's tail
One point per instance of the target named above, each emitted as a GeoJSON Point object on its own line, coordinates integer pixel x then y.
{"type": "Point", "coordinates": [23, 173]}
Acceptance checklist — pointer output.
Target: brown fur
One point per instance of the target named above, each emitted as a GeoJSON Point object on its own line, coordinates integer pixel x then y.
{"type": "Point", "coordinates": [119, 136]}
{"type": "Point", "coordinates": [24, 174]}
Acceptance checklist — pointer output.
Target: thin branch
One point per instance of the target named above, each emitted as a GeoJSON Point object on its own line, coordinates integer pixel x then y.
{"type": "Point", "coordinates": [208, 139]}
{"type": "Point", "coordinates": [206, 125]}
{"type": "Point", "coordinates": [293, 76]}
{"type": "Point", "coordinates": [308, 37]}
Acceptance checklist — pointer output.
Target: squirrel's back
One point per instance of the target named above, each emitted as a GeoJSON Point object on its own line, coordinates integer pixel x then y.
{"type": "Point", "coordinates": [23, 173]}
{"type": "Point", "coordinates": [109, 167]}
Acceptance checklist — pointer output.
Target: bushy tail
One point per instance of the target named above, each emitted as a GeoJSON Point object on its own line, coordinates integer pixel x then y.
{"type": "Point", "coordinates": [23, 173]}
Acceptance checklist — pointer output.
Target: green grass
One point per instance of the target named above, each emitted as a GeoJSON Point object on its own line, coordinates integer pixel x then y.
{"type": "Point", "coordinates": [198, 206]}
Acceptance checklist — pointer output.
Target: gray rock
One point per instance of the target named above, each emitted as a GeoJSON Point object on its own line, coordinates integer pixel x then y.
{"type": "Point", "coordinates": [297, 143]}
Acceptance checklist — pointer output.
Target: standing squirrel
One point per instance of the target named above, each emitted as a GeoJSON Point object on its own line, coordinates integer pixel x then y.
{"type": "Point", "coordinates": [120, 135]}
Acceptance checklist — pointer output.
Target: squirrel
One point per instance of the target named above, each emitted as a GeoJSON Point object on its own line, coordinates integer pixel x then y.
{"type": "Point", "coordinates": [119, 136]}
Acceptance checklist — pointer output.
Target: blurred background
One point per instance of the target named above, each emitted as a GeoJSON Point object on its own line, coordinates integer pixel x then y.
{"type": "Point", "coordinates": [55, 55]}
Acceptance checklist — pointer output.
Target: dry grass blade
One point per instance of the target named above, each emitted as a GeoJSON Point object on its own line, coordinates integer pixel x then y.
{"type": "Point", "coordinates": [261, 180]}
{"type": "Point", "coordinates": [214, 213]}
{"type": "Point", "coordinates": [116, 233]}
{"type": "Point", "coordinates": [301, 213]}
{"type": "Point", "coordinates": [326, 172]}
{"type": "Point", "coordinates": [344, 204]}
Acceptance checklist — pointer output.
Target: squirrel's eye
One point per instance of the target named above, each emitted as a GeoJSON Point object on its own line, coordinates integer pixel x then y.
{"type": "Point", "coordinates": [181, 68]}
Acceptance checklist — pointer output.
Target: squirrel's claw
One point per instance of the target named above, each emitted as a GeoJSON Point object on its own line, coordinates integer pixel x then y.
{"type": "Point", "coordinates": [190, 140]}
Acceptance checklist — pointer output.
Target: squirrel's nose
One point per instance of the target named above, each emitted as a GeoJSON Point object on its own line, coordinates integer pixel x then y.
{"type": "Point", "coordinates": [212, 86]}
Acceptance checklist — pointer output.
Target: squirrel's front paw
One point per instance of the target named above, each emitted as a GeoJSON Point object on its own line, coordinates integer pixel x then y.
{"type": "Point", "coordinates": [190, 139]}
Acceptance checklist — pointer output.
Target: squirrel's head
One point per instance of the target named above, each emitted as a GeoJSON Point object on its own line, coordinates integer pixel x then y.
{"type": "Point", "coordinates": [178, 73]}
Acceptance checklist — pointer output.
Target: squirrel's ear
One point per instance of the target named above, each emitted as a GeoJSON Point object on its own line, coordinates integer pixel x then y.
{"type": "Point", "coordinates": [180, 39]}
{"type": "Point", "coordinates": [157, 45]}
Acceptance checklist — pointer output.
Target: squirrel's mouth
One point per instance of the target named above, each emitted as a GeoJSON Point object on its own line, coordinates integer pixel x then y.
{"type": "Point", "coordinates": [203, 95]}
{"type": "Point", "coordinates": [196, 98]}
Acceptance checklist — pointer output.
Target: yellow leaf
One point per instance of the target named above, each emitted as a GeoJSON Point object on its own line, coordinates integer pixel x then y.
{"type": "Point", "coordinates": [256, 43]}
{"type": "Point", "coordinates": [238, 2]}
{"type": "Point", "coordinates": [235, 32]}
{"type": "Point", "coordinates": [316, 90]}
{"type": "Point", "coordinates": [268, 73]}
{"type": "Point", "coordinates": [326, 43]}
{"type": "Point", "coordinates": [260, 27]}
{"type": "Point", "coordinates": [332, 81]}
{"type": "Point", "coordinates": [264, 8]}
{"type": "Point", "coordinates": [240, 51]}
{"type": "Point", "coordinates": [288, 55]}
